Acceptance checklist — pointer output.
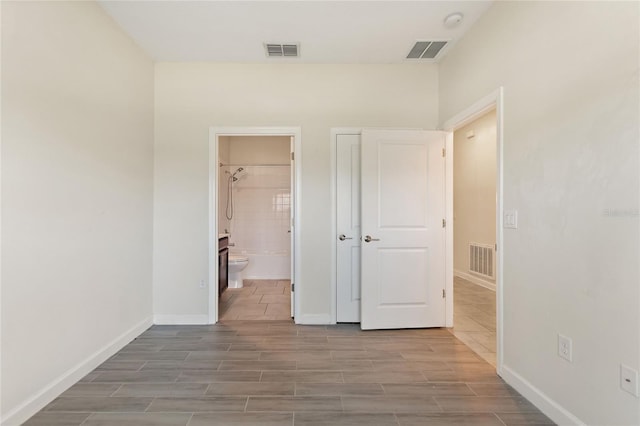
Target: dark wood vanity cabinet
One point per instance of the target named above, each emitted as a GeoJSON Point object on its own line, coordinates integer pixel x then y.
{"type": "Point", "coordinates": [223, 264]}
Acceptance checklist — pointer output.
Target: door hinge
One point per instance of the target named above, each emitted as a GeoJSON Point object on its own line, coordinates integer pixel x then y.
{"type": "Point", "coordinates": [444, 152]}
{"type": "Point", "coordinates": [444, 293]}
{"type": "Point", "coordinates": [496, 248]}
{"type": "Point", "coordinates": [293, 287]}
{"type": "Point", "coordinates": [444, 223]}
{"type": "Point", "coordinates": [292, 156]}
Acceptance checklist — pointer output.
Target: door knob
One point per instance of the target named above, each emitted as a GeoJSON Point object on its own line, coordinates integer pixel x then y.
{"type": "Point", "coordinates": [368, 239]}
{"type": "Point", "coordinates": [342, 237]}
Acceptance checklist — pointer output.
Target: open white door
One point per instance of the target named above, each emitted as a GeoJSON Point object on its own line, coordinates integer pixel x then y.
{"type": "Point", "coordinates": [403, 211]}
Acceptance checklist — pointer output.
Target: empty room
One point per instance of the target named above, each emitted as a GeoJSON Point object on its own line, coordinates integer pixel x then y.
{"type": "Point", "coordinates": [260, 213]}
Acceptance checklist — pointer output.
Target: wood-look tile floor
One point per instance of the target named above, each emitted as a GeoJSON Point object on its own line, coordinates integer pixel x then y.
{"type": "Point", "coordinates": [474, 318]}
{"type": "Point", "coordinates": [257, 300]}
{"type": "Point", "coordinates": [272, 373]}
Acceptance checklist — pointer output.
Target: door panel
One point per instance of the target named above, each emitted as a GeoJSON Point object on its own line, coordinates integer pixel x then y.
{"type": "Point", "coordinates": [354, 282]}
{"type": "Point", "coordinates": [402, 201]}
{"type": "Point", "coordinates": [401, 176]}
{"type": "Point", "coordinates": [348, 224]}
{"type": "Point", "coordinates": [405, 271]}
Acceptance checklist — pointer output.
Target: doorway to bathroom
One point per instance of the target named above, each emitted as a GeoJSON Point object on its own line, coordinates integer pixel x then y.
{"type": "Point", "coordinates": [253, 184]}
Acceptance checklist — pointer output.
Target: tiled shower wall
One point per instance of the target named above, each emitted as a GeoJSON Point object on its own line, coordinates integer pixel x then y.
{"type": "Point", "coordinates": [261, 221]}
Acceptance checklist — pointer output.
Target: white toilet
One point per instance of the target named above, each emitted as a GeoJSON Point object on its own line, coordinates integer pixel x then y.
{"type": "Point", "coordinates": [236, 265]}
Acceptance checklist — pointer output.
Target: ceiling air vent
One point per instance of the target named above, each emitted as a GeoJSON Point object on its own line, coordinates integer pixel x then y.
{"type": "Point", "coordinates": [282, 49]}
{"type": "Point", "coordinates": [426, 49]}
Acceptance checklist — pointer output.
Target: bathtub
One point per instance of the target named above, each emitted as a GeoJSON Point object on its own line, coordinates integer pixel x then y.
{"type": "Point", "coordinates": [266, 265]}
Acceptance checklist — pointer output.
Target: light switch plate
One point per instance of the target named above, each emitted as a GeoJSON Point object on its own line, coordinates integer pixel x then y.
{"type": "Point", "coordinates": [510, 219]}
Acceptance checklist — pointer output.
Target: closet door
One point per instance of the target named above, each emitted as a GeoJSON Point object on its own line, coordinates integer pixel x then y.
{"type": "Point", "coordinates": [348, 228]}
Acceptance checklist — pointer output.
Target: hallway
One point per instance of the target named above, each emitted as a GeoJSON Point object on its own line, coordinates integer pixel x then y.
{"type": "Point", "coordinates": [474, 318]}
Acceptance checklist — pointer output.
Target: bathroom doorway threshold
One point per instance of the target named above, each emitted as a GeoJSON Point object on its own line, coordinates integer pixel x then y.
{"type": "Point", "coordinates": [257, 300]}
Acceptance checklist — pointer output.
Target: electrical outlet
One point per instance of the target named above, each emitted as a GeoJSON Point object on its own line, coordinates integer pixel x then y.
{"type": "Point", "coordinates": [629, 380]}
{"type": "Point", "coordinates": [202, 285]}
{"type": "Point", "coordinates": [565, 348]}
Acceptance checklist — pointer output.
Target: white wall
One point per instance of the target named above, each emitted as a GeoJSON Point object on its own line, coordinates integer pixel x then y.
{"type": "Point", "coordinates": [571, 169]}
{"type": "Point", "coordinates": [192, 97]}
{"type": "Point", "coordinates": [474, 189]}
{"type": "Point", "coordinates": [77, 141]}
{"type": "Point", "coordinates": [260, 149]}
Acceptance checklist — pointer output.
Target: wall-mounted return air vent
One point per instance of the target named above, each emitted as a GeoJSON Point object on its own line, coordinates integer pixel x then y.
{"type": "Point", "coordinates": [291, 50]}
{"type": "Point", "coordinates": [426, 49]}
{"type": "Point", "coordinates": [481, 259]}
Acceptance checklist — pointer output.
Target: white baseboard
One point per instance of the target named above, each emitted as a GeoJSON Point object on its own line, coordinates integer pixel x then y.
{"type": "Point", "coordinates": [476, 280]}
{"type": "Point", "coordinates": [181, 319]}
{"type": "Point", "coordinates": [52, 390]}
{"type": "Point", "coordinates": [551, 408]}
{"type": "Point", "coordinates": [318, 319]}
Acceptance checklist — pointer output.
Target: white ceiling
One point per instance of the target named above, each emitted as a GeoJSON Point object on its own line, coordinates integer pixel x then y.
{"type": "Point", "coordinates": [328, 31]}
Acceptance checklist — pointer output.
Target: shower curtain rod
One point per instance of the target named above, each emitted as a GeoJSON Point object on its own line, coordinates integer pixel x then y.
{"type": "Point", "coordinates": [254, 165]}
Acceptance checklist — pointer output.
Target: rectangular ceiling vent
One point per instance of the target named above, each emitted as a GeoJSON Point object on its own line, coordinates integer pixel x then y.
{"type": "Point", "coordinates": [426, 49]}
{"type": "Point", "coordinates": [290, 50]}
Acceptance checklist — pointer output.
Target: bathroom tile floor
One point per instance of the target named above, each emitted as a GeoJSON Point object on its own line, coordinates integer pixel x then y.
{"type": "Point", "coordinates": [257, 300]}
{"type": "Point", "coordinates": [272, 373]}
{"type": "Point", "coordinates": [474, 318]}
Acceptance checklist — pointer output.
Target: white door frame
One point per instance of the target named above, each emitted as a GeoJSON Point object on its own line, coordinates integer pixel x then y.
{"type": "Point", "coordinates": [214, 134]}
{"type": "Point", "coordinates": [334, 204]}
{"type": "Point", "coordinates": [494, 100]}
